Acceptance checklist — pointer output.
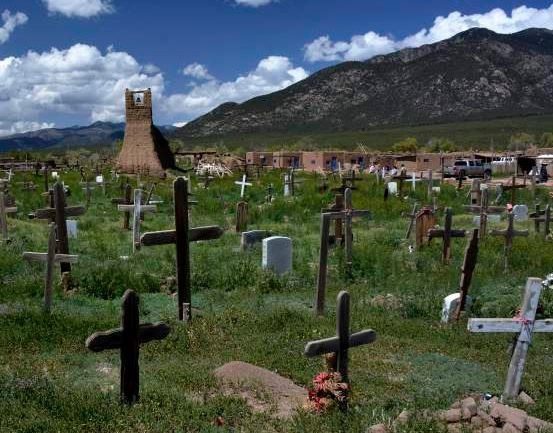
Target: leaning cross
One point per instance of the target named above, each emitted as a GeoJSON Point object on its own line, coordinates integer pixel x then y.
{"type": "Point", "coordinates": [50, 258]}
{"type": "Point", "coordinates": [412, 217]}
{"type": "Point", "coordinates": [243, 184]}
{"type": "Point", "coordinates": [446, 234]}
{"type": "Point", "coordinates": [509, 233]}
{"type": "Point", "coordinates": [524, 324]}
{"type": "Point", "coordinates": [347, 215]}
{"type": "Point", "coordinates": [469, 263]}
{"type": "Point", "coordinates": [181, 237]}
{"type": "Point", "coordinates": [128, 339]}
{"type": "Point", "coordinates": [137, 209]}
{"type": "Point", "coordinates": [340, 344]}
{"type": "Point", "coordinates": [4, 211]}
{"type": "Point", "coordinates": [542, 216]}
{"type": "Point", "coordinates": [58, 214]}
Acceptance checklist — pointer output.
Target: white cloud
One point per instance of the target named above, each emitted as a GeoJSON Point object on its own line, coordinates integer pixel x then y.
{"type": "Point", "coordinates": [79, 8]}
{"type": "Point", "coordinates": [11, 21]}
{"type": "Point", "coordinates": [271, 74]}
{"type": "Point", "coordinates": [7, 128]}
{"type": "Point", "coordinates": [254, 3]}
{"type": "Point", "coordinates": [197, 71]}
{"type": "Point", "coordinates": [179, 124]}
{"type": "Point", "coordinates": [361, 47]}
{"type": "Point", "coordinates": [80, 80]}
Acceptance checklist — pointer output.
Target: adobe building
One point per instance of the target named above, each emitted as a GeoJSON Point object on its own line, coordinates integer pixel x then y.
{"type": "Point", "coordinates": [145, 150]}
{"type": "Point", "coordinates": [285, 159]}
{"type": "Point", "coordinates": [323, 160]}
{"type": "Point", "coordinates": [261, 159]}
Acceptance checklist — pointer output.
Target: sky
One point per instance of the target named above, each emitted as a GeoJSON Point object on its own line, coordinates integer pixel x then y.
{"type": "Point", "coordinates": [68, 62]}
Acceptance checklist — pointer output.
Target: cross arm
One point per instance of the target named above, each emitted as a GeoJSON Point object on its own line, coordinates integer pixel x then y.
{"type": "Point", "coordinates": [130, 208]}
{"type": "Point", "coordinates": [100, 341]}
{"type": "Point", "coordinates": [507, 325]}
{"type": "Point", "coordinates": [332, 344]}
{"type": "Point", "coordinates": [489, 209]}
{"type": "Point", "coordinates": [10, 210]}
{"type": "Point", "coordinates": [50, 213]}
{"type": "Point", "coordinates": [170, 236]}
{"type": "Point", "coordinates": [340, 215]}
{"type": "Point", "coordinates": [58, 258]}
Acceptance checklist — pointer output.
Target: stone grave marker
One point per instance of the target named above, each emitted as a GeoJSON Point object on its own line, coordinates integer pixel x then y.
{"type": "Point", "coordinates": [392, 188]}
{"type": "Point", "coordinates": [128, 339]}
{"type": "Point", "coordinates": [51, 258]}
{"type": "Point", "coordinates": [343, 341]}
{"type": "Point", "coordinates": [277, 254]}
{"type": "Point", "coordinates": [520, 211]}
{"type": "Point", "coordinates": [72, 230]}
{"type": "Point", "coordinates": [181, 237]}
{"type": "Point", "coordinates": [525, 325]}
{"type": "Point", "coordinates": [252, 237]}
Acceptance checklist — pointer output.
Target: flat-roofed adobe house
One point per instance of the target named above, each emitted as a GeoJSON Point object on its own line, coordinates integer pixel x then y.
{"type": "Point", "coordinates": [261, 159]}
{"type": "Point", "coordinates": [356, 160]}
{"type": "Point", "coordinates": [323, 160]}
{"type": "Point", "coordinates": [286, 159]}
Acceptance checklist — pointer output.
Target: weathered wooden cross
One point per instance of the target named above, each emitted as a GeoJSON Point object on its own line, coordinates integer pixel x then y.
{"type": "Point", "coordinates": [51, 258]}
{"type": "Point", "coordinates": [338, 206]}
{"type": "Point", "coordinates": [347, 215]}
{"type": "Point", "coordinates": [58, 213]}
{"type": "Point", "coordinates": [4, 211]}
{"type": "Point", "coordinates": [128, 339]}
{"type": "Point", "coordinates": [542, 216]}
{"type": "Point", "coordinates": [290, 182]}
{"type": "Point", "coordinates": [524, 324]}
{"type": "Point", "coordinates": [446, 234]}
{"type": "Point", "coordinates": [469, 263]}
{"type": "Point", "coordinates": [402, 177]}
{"type": "Point", "coordinates": [412, 217]}
{"type": "Point", "coordinates": [125, 200]}
{"type": "Point", "coordinates": [137, 209]}
{"type": "Point", "coordinates": [509, 233]}
{"type": "Point", "coordinates": [513, 187]}
{"type": "Point", "coordinates": [243, 184]}
{"type": "Point", "coordinates": [343, 341]}
{"type": "Point", "coordinates": [87, 188]}
{"type": "Point", "coordinates": [181, 237]}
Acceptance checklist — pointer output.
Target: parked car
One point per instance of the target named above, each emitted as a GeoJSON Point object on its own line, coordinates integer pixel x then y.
{"type": "Point", "coordinates": [469, 168]}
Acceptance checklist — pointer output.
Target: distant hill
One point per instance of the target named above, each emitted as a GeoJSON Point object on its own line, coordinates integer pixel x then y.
{"type": "Point", "coordinates": [97, 134]}
{"type": "Point", "coordinates": [475, 75]}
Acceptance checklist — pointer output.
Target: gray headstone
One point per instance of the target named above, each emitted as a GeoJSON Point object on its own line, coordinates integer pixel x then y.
{"type": "Point", "coordinates": [252, 237]}
{"type": "Point", "coordinates": [520, 211]}
{"type": "Point", "coordinates": [492, 218]}
{"type": "Point", "coordinates": [277, 254]}
{"type": "Point", "coordinates": [71, 228]}
{"type": "Point", "coordinates": [450, 306]}
{"type": "Point", "coordinates": [287, 192]}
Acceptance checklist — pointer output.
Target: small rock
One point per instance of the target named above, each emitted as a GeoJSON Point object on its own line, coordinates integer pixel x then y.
{"type": "Point", "coordinates": [525, 398]}
{"type": "Point", "coordinates": [456, 405]}
{"type": "Point", "coordinates": [403, 417]}
{"type": "Point", "coordinates": [510, 415]}
{"type": "Point", "coordinates": [378, 428]}
{"type": "Point", "coordinates": [489, 430]}
{"type": "Point", "coordinates": [452, 415]}
{"type": "Point", "coordinates": [485, 417]}
{"type": "Point", "coordinates": [466, 414]}
{"type": "Point", "coordinates": [510, 428]}
{"type": "Point", "coordinates": [535, 425]}
{"type": "Point", "coordinates": [469, 406]}
{"type": "Point", "coordinates": [478, 422]}
{"type": "Point", "coordinates": [454, 428]}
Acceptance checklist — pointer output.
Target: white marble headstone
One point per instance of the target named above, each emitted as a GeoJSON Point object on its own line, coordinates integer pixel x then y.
{"type": "Point", "coordinates": [71, 228]}
{"type": "Point", "coordinates": [100, 179]}
{"type": "Point", "coordinates": [436, 189]}
{"type": "Point", "coordinates": [277, 254]}
{"type": "Point", "coordinates": [55, 175]}
{"type": "Point", "coordinates": [392, 187]}
{"type": "Point", "coordinates": [520, 211]}
{"type": "Point", "coordinates": [450, 306]}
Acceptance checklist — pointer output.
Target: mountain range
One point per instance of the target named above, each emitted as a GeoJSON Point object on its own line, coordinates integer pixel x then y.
{"type": "Point", "coordinates": [477, 74]}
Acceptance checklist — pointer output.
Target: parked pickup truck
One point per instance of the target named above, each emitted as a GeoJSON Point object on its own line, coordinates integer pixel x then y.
{"type": "Point", "coordinates": [468, 168]}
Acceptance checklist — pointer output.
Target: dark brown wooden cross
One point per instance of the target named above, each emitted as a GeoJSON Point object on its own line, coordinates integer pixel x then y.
{"type": "Point", "coordinates": [51, 258]}
{"type": "Point", "coordinates": [343, 341]}
{"type": "Point", "coordinates": [46, 187]}
{"type": "Point", "coordinates": [338, 206]}
{"type": "Point", "coordinates": [412, 217]}
{"type": "Point", "coordinates": [509, 234]}
{"type": "Point", "coordinates": [128, 339]}
{"type": "Point", "coordinates": [58, 214]}
{"type": "Point", "coordinates": [402, 177]}
{"type": "Point", "coordinates": [181, 237]}
{"type": "Point", "coordinates": [513, 187]}
{"type": "Point", "coordinates": [469, 263]}
{"type": "Point", "coordinates": [125, 200]}
{"type": "Point", "coordinates": [542, 216]}
{"type": "Point", "coordinates": [347, 215]}
{"type": "Point", "coordinates": [484, 210]}
{"type": "Point", "coordinates": [446, 234]}
{"type": "Point", "coordinates": [4, 211]}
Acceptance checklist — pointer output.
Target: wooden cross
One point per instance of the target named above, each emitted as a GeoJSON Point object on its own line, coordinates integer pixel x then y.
{"type": "Point", "coordinates": [343, 341]}
{"type": "Point", "coordinates": [290, 183]}
{"type": "Point", "coordinates": [243, 184]}
{"type": "Point", "coordinates": [425, 220]}
{"type": "Point", "coordinates": [524, 324]}
{"type": "Point", "coordinates": [206, 180]}
{"type": "Point", "coordinates": [347, 215]}
{"type": "Point", "coordinates": [338, 206]}
{"type": "Point", "coordinates": [513, 187]}
{"type": "Point", "coordinates": [128, 339]}
{"type": "Point", "coordinates": [46, 188]}
{"type": "Point", "coordinates": [401, 178]}
{"type": "Point", "coordinates": [125, 200]}
{"type": "Point", "coordinates": [88, 192]}
{"type": "Point", "coordinates": [181, 237]}
{"type": "Point", "coordinates": [4, 211]}
{"type": "Point", "coordinates": [542, 216]}
{"type": "Point", "coordinates": [446, 234]}
{"type": "Point", "coordinates": [509, 233]}
{"type": "Point", "coordinates": [59, 213]}
{"type": "Point", "coordinates": [51, 258]}
{"type": "Point", "coordinates": [475, 192]}
{"type": "Point", "coordinates": [430, 184]}
{"type": "Point", "coordinates": [484, 210]}
{"type": "Point", "coordinates": [469, 263]}
{"type": "Point", "coordinates": [412, 217]}
{"type": "Point", "coordinates": [137, 209]}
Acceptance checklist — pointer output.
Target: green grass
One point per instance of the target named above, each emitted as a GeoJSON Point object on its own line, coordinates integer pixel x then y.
{"type": "Point", "coordinates": [49, 382]}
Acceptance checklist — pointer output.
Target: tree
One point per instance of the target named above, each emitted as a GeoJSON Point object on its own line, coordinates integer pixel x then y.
{"type": "Point", "coordinates": [442, 145]}
{"type": "Point", "coordinates": [546, 139]}
{"type": "Point", "coordinates": [521, 140]}
{"type": "Point", "coordinates": [407, 145]}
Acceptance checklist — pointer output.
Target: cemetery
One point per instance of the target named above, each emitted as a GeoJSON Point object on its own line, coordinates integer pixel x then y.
{"type": "Point", "coordinates": [374, 304]}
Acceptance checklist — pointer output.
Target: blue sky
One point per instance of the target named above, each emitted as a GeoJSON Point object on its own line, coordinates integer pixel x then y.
{"type": "Point", "coordinates": [66, 62]}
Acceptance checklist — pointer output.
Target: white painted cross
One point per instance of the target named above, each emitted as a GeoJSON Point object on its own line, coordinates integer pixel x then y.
{"type": "Point", "coordinates": [137, 208]}
{"type": "Point", "coordinates": [243, 184]}
{"type": "Point", "coordinates": [414, 181]}
{"type": "Point", "coordinates": [525, 325]}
